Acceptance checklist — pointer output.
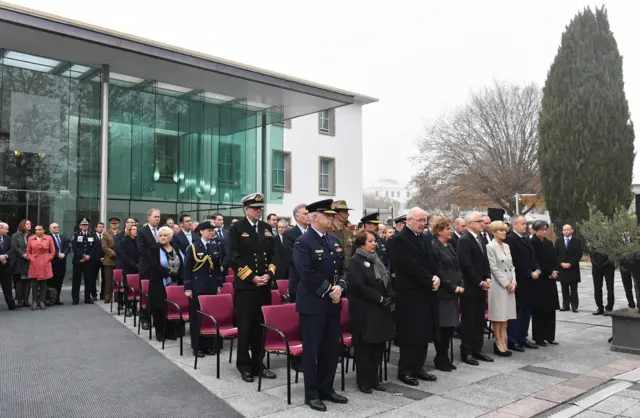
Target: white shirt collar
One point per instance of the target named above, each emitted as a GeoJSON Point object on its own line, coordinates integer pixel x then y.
{"type": "Point", "coordinates": [253, 224]}
{"type": "Point", "coordinates": [318, 232]}
{"type": "Point", "coordinates": [204, 241]}
{"type": "Point", "coordinates": [568, 238]}
{"type": "Point", "coordinates": [473, 233]}
{"type": "Point", "coordinates": [303, 230]}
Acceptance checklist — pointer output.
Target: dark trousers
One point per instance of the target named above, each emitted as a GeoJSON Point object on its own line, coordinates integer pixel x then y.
{"type": "Point", "coordinates": [94, 291]}
{"type": "Point", "coordinates": [38, 290]}
{"type": "Point", "coordinates": [368, 359]}
{"type": "Point", "coordinates": [59, 268]}
{"type": "Point", "coordinates": [518, 329]}
{"type": "Point", "coordinates": [249, 304]}
{"type": "Point", "coordinates": [158, 323]}
{"type": "Point", "coordinates": [5, 282]}
{"type": "Point", "coordinates": [472, 307]}
{"type": "Point", "coordinates": [627, 283]}
{"type": "Point", "coordinates": [412, 358]}
{"type": "Point", "coordinates": [195, 320]}
{"type": "Point", "coordinates": [23, 288]}
{"type": "Point", "coordinates": [544, 326]}
{"type": "Point", "coordinates": [598, 274]}
{"type": "Point", "coordinates": [321, 342]}
{"type": "Point", "coordinates": [87, 272]}
{"type": "Point", "coordinates": [569, 295]}
{"type": "Point", "coordinates": [442, 345]}
{"type": "Point", "coordinates": [107, 283]}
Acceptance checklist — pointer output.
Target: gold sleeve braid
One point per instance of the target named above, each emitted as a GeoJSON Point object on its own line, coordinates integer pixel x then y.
{"type": "Point", "coordinates": [199, 262]}
{"type": "Point", "coordinates": [244, 272]}
{"type": "Point", "coordinates": [272, 268]}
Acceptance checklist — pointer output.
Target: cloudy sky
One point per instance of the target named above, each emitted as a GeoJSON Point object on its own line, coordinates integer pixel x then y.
{"type": "Point", "coordinates": [419, 57]}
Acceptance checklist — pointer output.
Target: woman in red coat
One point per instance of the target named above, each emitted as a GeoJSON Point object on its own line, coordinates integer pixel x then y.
{"type": "Point", "coordinates": [40, 252]}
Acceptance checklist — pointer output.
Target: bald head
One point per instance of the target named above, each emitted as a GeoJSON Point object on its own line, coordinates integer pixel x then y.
{"type": "Point", "coordinates": [460, 225]}
{"type": "Point", "coordinates": [416, 219]}
{"type": "Point", "coordinates": [4, 228]}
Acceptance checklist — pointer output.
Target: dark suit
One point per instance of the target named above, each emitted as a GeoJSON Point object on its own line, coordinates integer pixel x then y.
{"type": "Point", "coordinates": [602, 268]}
{"type": "Point", "coordinates": [320, 266]}
{"type": "Point", "coordinates": [417, 306]}
{"type": "Point", "coordinates": [59, 266]}
{"type": "Point", "coordinates": [181, 242]}
{"type": "Point", "coordinates": [524, 261]}
{"type": "Point", "coordinates": [252, 253]}
{"type": "Point", "coordinates": [146, 245]}
{"type": "Point", "coordinates": [84, 244]}
{"type": "Point", "coordinates": [290, 238]}
{"type": "Point", "coordinates": [284, 258]}
{"type": "Point", "coordinates": [5, 271]}
{"type": "Point", "coordinates": [475, 269]}
{"type": "Point", "coordinates": [454, 240]}
{"type": "Point", "coordinates": [627, 271]}
{"type": "Point", "coordinates": [383, 253]}
{"type": "Point", "coordinates": [569, 278]}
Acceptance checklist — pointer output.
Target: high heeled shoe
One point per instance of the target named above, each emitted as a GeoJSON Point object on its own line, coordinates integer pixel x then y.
{"type": "Point", "coordinates": [499, 353]}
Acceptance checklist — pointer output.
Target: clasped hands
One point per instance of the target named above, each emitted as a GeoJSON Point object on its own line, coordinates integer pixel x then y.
{"type": "Point", "coordinates": [261, 280]}
{"type": "Point", "coordinates": [336, 294]}
{"type": "Point", "coordinates": [511, 287]}
{"type": "Point", "coordinates": [435, 283]}
{"type": "Point", "coordinates": [485, 284]}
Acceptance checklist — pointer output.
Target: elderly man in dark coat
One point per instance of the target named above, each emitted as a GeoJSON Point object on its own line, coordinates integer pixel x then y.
{"type": "Point", "coordinates": [416, 289]}
{"type": "Point", "coordinates": [569, 253]}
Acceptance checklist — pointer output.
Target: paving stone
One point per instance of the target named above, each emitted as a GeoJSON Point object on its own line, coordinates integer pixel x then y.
{"type": "Point", "coordinates": [559, 393]}
{"type": "Point", "coordinates": [549, 372]}
{"type": "Point", "coordinates": [614, 405]}
{"type": "Point", "coordinates": [603, 372]}
{"type": "Point", "coordinates": [486, 397]}
{"type": "Point", "coordinates": [516, 384]}
{"type": "Point", "coordinates": [584, 382]}
{"type": "Point", "coordinates": [443, 385]}
{"type": "Point", "coordinates": [439, 407]}
{"type": "Point", "coordinates": [592, 414]}
{"type": "Point", "coordinates": [256, 404]}
{"type": "Point", "coordinates": [356, 408]}
{"type": "Point", "coordinates": [396, 413]}
{"type": "Point", "coordinates": [633, 412]}
{"type": "Point", "coordinates": [497, 414]}
{"type": "Point", "coordinates": [527, 407]}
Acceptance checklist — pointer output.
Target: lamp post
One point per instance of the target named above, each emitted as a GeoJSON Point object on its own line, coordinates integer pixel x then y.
{"type": "Point", "coordinates": [518, 196]}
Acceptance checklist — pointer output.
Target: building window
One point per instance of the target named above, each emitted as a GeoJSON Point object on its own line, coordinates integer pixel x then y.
{"type": "Point", "coordinates": [88, 142]}
{"type": "Point", "coordinates": [326, 122]}
{"type": "Point", "coordinates": [281, 177]}
{"type": "Point", "coordinates": [327, 176]}
{"type": "Point", "coordinates": [229, 165]}
{"type": "Point", "coordinates": [166, 158]}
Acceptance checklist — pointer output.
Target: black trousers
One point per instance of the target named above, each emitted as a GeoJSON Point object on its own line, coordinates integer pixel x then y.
{"type": "Point", "coordinates": [442, 346]}
{"type": "Point", "coordinates": [627, 283]}
{"type": "Point", "coordinates": [59, 268]}
{"type": "Point", "coordinates": [472, 307]}
{"type": "Point", "coordinates": [412, 358]}
{"type": "Point", "coordinates": [569, 295]}
{"type": "Point", "coordinates": [249, 304]}
{"type": "Point", "coordinates": [5, 282]}
{"type": "Point", "coordinates": [94, 293]}
{"type": "Point", "coordinates": [321, 342]}
{"type": "Point", "coordinates": [598, 275]}
{"type": "Point", "coordinates": [544, 326]}
{"type": "Point", "coordinates": [87, 272]}
{"type": "Point", "coordinates": [158, 323]}
{"type": "Point", "coordinates": [195, 320]}
{"type": "Point", "coordinates": [368, 359]}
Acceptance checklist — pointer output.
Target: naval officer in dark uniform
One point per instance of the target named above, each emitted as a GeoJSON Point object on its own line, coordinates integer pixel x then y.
{"type": "Point", "coordinates": [85, 246]}
{"type": "Point", "coordinates": [318, 257]}
{"type": "Point", "coordinates": [202, 275]}
{"type": "Point", "coordinates": [400, 222]}
{"type": "Point", "coordinates": [252, 255]}
{"type": "Point", "coordinates": [370, 223]}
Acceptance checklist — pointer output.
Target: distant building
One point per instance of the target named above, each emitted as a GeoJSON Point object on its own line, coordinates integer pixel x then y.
{"type": "Point", "coordinates": [388, 194]}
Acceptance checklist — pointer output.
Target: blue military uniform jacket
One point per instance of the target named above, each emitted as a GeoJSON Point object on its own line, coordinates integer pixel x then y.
{"type": "Point", "coordinates": [89, 245]}
{"type": "Point", "coordinates": [320, 265]}
{"type": "Point", "coordinates": [383, 253]}
{"type": "Point", "coordinates": [202, 271]}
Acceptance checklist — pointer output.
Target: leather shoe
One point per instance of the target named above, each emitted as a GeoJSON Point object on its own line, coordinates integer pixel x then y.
{"type": "Point", "coordinates": [89, 301]}
{"type": "Point", "coordinates": [552, 342]}
{"type": "Point", "coordinates": [516, 347]}
{"type": "Point", "coordinates": [563, 309]}
{"type": "Point", "coordinates": [469, 360]}
{"type": "Point", "coordinates": [364, 389]}
{"type": "Point", "coordinates": [268, 374]}
{"type": "Point", "coordinates": [408, 380]}
{"type": "Point", "coordinates": [334, 398]}
{"type": "Point", "coordinates": [574, 310]}
{"type": "Point", "coordinates": [482, 356]}
{"type": "Point", "coordinates": [599, 311]}
{"type": "Point", "coordinates": [246, 376]}
{"type": "Point", "coordinates": [316, 405]}
{"type": "Point", "coordinates": [379, 388]}
{"type": "Point", "coordinates": [198, 353]}
{"type": "Point", "coordinates": [425, 376]}
{"type": "Point", "coordinates": [529, 344]}
{"type": "Point", "coordinates": [541, 343]}
{"type": "Point", "coordinates": [58, 302]}
{"type": "Point", "coordinates": [75, 302]}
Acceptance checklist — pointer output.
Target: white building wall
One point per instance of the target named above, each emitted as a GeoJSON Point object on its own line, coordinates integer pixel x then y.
{"type": "Point", "coordinates": [306, 145]}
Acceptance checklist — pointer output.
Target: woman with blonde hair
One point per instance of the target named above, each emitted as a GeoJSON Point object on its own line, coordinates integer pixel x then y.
{"type": "Point", "coordinates": [502, 298]}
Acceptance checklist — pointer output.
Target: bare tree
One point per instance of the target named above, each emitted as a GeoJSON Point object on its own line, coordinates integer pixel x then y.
{"type": "Point", "coordinates": [484, 152]}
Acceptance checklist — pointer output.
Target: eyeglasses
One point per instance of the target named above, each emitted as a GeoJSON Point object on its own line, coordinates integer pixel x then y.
{"type": "Point", "coordinates": [421, 220]}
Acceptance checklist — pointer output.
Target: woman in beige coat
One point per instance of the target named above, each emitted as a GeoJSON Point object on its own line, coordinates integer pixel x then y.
{"type": "Point", "coordinates": [502, 298]}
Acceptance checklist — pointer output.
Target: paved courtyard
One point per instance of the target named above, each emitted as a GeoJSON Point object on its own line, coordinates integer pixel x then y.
{"type": "Point", "coordinates": [580, 377]}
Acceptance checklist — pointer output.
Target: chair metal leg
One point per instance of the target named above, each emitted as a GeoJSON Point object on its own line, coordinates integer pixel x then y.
{"type": "Point", "coordinates": [288, 377]}
{"type": "Point", "coordinates": [268, 361]}
{"type": "Point", "coordinates": [135, 312]}
{"type": "Point", "coordinates": [119, 301]}
{"type": "Point", "coordinates": [139, 324]}
{"type": "Point", "coordinates": [297, 371]}
{"type": "Point", "coordinates": [164, 331]}
{"type": "Point", "coordinates": [181, 332]}
{"type": "Point", "coordinates": [125, 313]}
{"type": "Point", "coordinates": [195, 353]}
{"type": "Point", "coordinates": [230, 350]}
{"type": "Point", "coordinates": [353, 367]}
{"type": "Point", "coordinates": [451, 348]}
{"type": "Point", "coordinates": [218, 364]}
{"type": "Point", "coordinates": [150, 321]}
{"type": "Point", "coordinates": [111, 305]}
{"type": "Point", "coordinates": [348, 351]}
{"type": "Point", "coordinates": [386, 361]}
{"type": "Point", "coordinates": [342, 369]}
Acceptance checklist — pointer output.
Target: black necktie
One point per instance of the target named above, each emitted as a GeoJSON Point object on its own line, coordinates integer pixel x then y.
{"type": "Point", "coordinates": [326, 240]}
{"type": "Point", "coordinates": [209, 247]}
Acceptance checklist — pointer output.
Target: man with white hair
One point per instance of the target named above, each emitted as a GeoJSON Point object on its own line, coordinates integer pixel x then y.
{"type": "Point", "coordinates": [5, 268]}
{"type": "Point", "coordinates": [416, 286]}
{"type": "Point", "coordinates": [459, 228]}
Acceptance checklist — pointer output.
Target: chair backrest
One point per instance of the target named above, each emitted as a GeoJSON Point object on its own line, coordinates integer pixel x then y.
{"type": "Point", "coordinates": [344, 316]}
{"type": "Point", "coordinates": [227, 289]}
{"type": "Point", "coordinates": [144, 285]}
{"type": "Point", "coordinates": [176, 294]}
{"type": "Point", "coordinates": [229, 278]}
{"type": "Point", "coordinates": [283, 286]}
{"type": "Point", "coordinates": [218, 306]}
{"type": "Point", "coordinates": [133, 281]}
{"type": "Point", "coordinates": [284, 318]}
{"type": "Point", "coordinates": [276, 298]}
{"type": "Point", "coordinates": [230, 272]}
{"type": "Point", "coordinates": [117, 276]}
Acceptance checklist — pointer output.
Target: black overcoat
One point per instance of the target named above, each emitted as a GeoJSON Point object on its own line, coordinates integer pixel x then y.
{"type": "Point", "coordinates": [155, 274]}
{"type": "Point", "coordinates": [544, 290]}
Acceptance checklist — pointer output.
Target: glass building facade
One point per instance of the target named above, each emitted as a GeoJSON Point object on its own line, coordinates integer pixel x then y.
{"type": "Point", "coordinates": [180, 150]}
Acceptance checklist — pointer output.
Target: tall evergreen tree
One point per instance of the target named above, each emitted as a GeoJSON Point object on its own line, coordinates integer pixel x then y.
{"type": "Point", "coordinates": [586, 136]}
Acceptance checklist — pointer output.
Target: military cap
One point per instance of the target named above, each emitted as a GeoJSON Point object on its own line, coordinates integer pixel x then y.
{"type": "Point", "coordinates": [84, 221]}
{"type": "Point", "coordinates": [402, 219]}
{"type": "Point", "coordinates": [204, 225]}
{"type": "Point", "coordinates": [136, 221]}
{"type": "Point", "coordinates": [323, 206]}
{"type": "Point", "coordinates": [340, 205]}
{"type": "Point", "coordinates": [114, 219]}
{"type": "Point", "coordinates": [253, 200]}
{"type": "Point", "coordinates": [373, 218]}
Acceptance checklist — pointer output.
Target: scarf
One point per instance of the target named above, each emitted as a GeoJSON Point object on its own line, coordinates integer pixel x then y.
{"type": "Point", "coordinates": [166, 281]}
{"type": "Point", "coordinates": [379, 269]}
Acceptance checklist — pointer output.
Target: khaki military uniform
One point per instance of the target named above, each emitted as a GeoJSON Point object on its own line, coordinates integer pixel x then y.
{"type": "Point", "coordinates": [346, 239]}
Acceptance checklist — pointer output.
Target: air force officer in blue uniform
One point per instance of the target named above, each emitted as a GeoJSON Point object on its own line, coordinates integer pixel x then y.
{"type": "Point", "coordinates": [202, 276]}
{"type": "Point", "coordinates": [318, 258]}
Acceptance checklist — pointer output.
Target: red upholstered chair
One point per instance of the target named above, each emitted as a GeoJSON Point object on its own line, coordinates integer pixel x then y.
{"type": "Point", "coordinates": [230, 272]}
{"type": "Point", "coordinates": [131, 295]}
{"type": "Point", "coordinates": [177, 310]}
{"type": "Point", "coordinates": [227, 289]}
{"type": "Point", "coordinates": [216, 312]}
{"type": "Point", "coordinates": [276, 299]}
{"type": "Point", "coordinates": [144, 304]}
{"type": "Point", "coordinates": [283, 288]}
{"type": "Point", "coordinates": [282, 335]}
{"type": "Point", "coordinates": [346, 340]}
{"type": "Point", "coordinates": [229, 278]}
{"type": "Point", "coordinates": [118, 289]}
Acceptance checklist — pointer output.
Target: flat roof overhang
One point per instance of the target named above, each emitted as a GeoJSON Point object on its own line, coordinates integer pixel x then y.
{"type": "Point", "coordinates": [36, 33]}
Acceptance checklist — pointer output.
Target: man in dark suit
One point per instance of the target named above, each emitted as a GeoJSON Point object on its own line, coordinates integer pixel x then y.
{"type": "Point", "coordinates": [627, 273]}
{"type": "Point", "coordinates": [459, 228]}
{"type": "Point", "coordinates": [86, 251]}
{"type": "Point", "coordinates": [272, 220]}
{"type": "Point", "coordinates": [416, 287]}
{"type": "Point", "coordinates": [253, 259]}
{"type": "Point", "coordinates": [318, 257]}
{"type": "Point", "coordinates": [486, 233]}
{"type": "Point", "coordinates": [524, 261]}
{"type": "Point", "coordinates": [569, 253]}
{"type": "Point", "coordinates": [59, 262]}
{"type": "Point", "coordinates": [432, 218]}
{"type": "Point", "coordinates": [147, 241]}
{"type": "Point", "coordinates": [401, 222]}
{"type": "Point", "coordinates": [472, 255]}
{"type": "Point", "coordinates": [284, 259]}
{"type": "Point", "coordinates": [5, 266]}
{"type": "Point", "coordinates": [222, 234]}
{"type": "Point", "coordinates": [185, 237]}
{"type": "Point", "coordinates": [301, 216]}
